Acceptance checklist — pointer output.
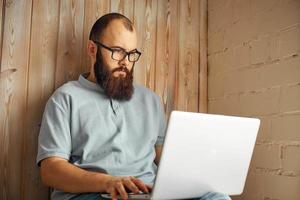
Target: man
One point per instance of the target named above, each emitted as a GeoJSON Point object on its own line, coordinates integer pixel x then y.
{"type": "Point", "coordinates": [102, 133]}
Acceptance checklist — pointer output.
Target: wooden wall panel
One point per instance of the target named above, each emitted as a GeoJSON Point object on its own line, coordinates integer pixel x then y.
{"type": "Point", "coordinates": [44, 46]}
{"type": "Point", "coordinates": [203, 70]}
{"type": "Point", "coordinates": [93, 10]}
{"type": "Point", "coordinates": [3, 75]}
{"type": "Point", "coordinates": [1, 26]}
{"type": "Point", "coordinates": [15, 54]}
{"type": "Point", "coordinates": [41, 80]}
{"type": "Point", "coordinates": [145, 13]}
{"type": "Point", "coordinates": [167, 53]}
{"type": "Point", "coordinates": [124, 7]}
{"type": "Point", "coordinates": [188, 55]}
{"type": "Point", "coordinates": [70, 44]}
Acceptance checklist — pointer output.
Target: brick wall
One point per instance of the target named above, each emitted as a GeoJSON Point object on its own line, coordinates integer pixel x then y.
{"type": "Point", "coordinates": [254, 70]}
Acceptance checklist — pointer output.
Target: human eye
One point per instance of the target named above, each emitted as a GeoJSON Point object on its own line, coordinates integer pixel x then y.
{"type": "Point", "coordinates": [118, 54]}
{"type": "Point", "coordinates": [117, 50]}
{"type": "Point", "coordinates": [134, 56]}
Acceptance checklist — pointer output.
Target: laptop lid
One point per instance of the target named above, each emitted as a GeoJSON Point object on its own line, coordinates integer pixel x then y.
{"type": "Point", "coordinates": [204, 153]}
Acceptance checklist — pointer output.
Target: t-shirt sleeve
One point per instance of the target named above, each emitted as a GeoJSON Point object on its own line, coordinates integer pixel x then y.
{"type": "Point", "coordinates": [162, 124]}
{"type": "Point", "coordinates": [54, 137]}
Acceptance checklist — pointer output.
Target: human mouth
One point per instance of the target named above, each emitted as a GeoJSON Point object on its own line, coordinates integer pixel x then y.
{"type": "Point", "coordinates": [119, 73]}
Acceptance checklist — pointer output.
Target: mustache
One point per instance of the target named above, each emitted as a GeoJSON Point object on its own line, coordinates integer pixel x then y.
{"type": "Point", "coordinates": [121, 69]}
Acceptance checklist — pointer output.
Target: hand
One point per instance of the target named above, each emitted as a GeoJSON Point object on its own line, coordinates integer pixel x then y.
{"type": "Point", "coordinates": [120, 185]}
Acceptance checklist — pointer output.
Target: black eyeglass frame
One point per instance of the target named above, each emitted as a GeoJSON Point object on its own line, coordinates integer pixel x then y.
{"type": "Point", "coordinates": [114, 50]}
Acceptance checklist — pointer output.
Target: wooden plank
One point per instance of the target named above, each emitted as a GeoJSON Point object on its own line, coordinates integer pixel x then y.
{"type": "Point", "coordinates": [41, 80]}
{"type": "Point", "coordinates": [124, 7]}
{"type": "Point", "coordinates": [188, 55]}
{"type": "Point", "coordinates": [2, 12]}
{"type": "Point", "coordinates": [6, 77]}
{"type": "Point", "coordinates": [16, 37]}
{"type": "Point", "coordinates": [70, 42]}
{"type": "Point", "coordinates": [93, 10]}
{"type": "Point", "coordinates": [167, 53]}
{"type": "Point", "coordinates": [203, 58]}
{"type": "Point", "coordinates": [6, 74]}
{"type": "Point", "coordinates": [145, 13]}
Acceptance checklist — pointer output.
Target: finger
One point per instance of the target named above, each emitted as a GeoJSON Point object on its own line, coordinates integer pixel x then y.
{"type": "Point", "coordinates": [140, 184]}
{"type": "Point", "coordinates": [121, 190]}
{"type": "Point", "coordinates": [113, 194]}
{"type": "Point", "coordinates": [149, 187]}
{"type": "Point", "coordinates": [130, 185]}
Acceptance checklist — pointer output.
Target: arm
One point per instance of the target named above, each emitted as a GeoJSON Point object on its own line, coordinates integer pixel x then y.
{"type": "Point", "coordinates": [59, 173]}
{"type": "Point", "coordinates": [158, 150]}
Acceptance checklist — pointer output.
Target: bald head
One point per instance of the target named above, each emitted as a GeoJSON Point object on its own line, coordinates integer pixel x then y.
{"type": "Point", "coordinates": [103, 22]}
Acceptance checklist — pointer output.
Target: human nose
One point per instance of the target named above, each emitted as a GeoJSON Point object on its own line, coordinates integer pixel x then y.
{"type": "Point", "coordinates": [125, 61]}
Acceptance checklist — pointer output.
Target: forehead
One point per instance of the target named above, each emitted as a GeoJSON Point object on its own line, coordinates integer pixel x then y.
{"type": "Point", "coordinates": [117, 35]}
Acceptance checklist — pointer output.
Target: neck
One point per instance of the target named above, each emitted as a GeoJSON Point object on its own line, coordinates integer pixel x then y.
{"type": "Point", "coordinates": [92, 77]}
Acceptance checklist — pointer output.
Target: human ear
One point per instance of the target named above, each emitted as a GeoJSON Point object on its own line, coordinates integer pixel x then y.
{"type": "Point", "coordinates": [91, 48]}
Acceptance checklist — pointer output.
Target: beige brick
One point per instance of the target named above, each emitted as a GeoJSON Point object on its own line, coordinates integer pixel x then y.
{"type": "Point", "coordinates": [233, 82]}
{"type": "Point", "coordinates": [289, 13]}
{"type": "Point", "coordinates": [220, 63]}
{"type": "Point", "coordinates": [258, 6]}
{"type": "Point", "coordinates": [260, 50]}
{"type": "Point", "coordinates": [221, 16]}
{"type": "Point", "coordinates": [290, 98]}
{"type": "Point", "coordinates": [266, 156]}
{"type": "Point", "coordinates": [290, 42]}
{"type": "Point", "coordinates": [212, 5]}
{"type": "Point", "coordinates": [227, 106]}
{"type": "Point", "coordinates": [212, 26]}
{"type": "Point", "coordinates": [265, 22]}
{"type": "Point", "coordinates": [240, 32]}
{"type": "Point", "coordinates": [215, 86]}
{"type": "Point", "coordinates": [268, 186]}
{"type": "Point", "coordinates": [281, 73]}
{"type": "Point", "coordinates": [260, 103]}
{"type": "Point", "coordinates": [264, 129]}
{"type": "Point", "coordinates": [216, 43]}
{"type": "Point", "coordinates": [274, 47]}
{"type": "Point", "coordinates": [215, 4]}
{"type": "Point", "coordinates": [291, 158]}
{"type": "Point", "coordinates": [285, 127]}
{"type": "Point", "coordinates": [241, 10]}
{"type": "Point", "coordinates": [214, 64]}
{"type": "Point", "coordinates": [242, 80]}
{"type": "Point", "coordinates": [241, 55]}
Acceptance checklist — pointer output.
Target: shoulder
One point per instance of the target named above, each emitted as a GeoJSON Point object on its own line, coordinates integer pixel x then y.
{"type": "Point", "coordinates": [63, 95]}
{"type": "Point", "coordinates": [142, 92]}
{"type": "Point", "coordinates": [69, 88]}
{"type": "Point", "coordinates": [146, 97]}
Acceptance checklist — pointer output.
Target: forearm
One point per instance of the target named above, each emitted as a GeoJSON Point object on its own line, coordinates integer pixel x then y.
{"type": "Point", "coordinates": [60, 174]}
{"type": "Point", "coordinates": [158, 150]}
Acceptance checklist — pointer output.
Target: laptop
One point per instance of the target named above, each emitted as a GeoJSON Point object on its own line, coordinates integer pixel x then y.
{"type": "Point", "coordinates": [203, 153]}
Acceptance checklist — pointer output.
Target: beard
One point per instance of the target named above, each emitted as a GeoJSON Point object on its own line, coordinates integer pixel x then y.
{"type": "Point", "coordinates": [118, 88]}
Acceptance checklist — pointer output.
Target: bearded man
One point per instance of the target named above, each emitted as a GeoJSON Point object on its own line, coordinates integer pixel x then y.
{"type": "Point", "coordinates": [103, 133]}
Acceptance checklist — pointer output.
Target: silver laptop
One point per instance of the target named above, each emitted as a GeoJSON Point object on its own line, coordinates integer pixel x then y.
{"type": "Point", "coordinates": [203, 153]}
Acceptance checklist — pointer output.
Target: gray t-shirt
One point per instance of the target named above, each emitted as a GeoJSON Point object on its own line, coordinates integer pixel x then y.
{"type": "Point", "coordinates": [81, 124]}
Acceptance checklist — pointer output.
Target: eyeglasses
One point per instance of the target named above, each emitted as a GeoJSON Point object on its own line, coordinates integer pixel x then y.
{"type": "Point", "coordinates": [120, 54]}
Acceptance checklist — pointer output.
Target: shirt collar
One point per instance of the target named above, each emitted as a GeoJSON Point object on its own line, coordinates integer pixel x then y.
{"type": "Point", "coordinates": [89, 84]}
